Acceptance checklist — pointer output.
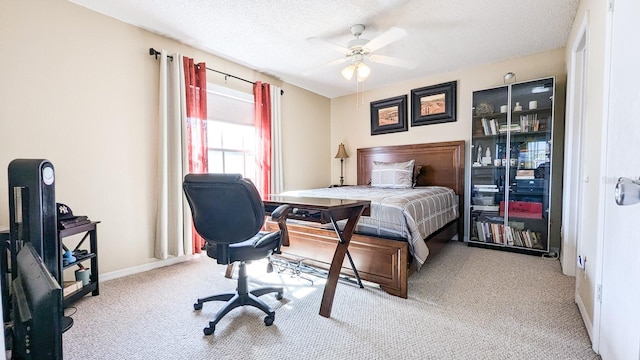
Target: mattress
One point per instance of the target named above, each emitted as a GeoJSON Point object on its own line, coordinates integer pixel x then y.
{"type": "Point", "coordinates": [410, 214]}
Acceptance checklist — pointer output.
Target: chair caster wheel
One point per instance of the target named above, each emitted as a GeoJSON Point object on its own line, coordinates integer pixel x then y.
{"type": "Point", "coordinates": [197, 306]}
{"type": "Point", "coordinates": [209, 330]}
{"type": "Point", "coordinates": [278, 296]}
{"type": "Point", "coordinates": [268, 320]}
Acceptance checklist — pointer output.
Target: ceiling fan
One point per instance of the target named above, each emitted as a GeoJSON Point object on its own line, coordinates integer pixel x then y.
{"type": "Point", "coordinates": [360, 50]}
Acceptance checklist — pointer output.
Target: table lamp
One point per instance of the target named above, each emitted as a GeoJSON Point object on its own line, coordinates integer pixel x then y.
{"type": "Point", "coordinates": [342, 154]}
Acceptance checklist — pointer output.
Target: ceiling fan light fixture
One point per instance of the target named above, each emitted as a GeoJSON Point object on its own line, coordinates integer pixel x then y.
{"type": "Point", "coordinates": [363, 71]}
{"type": "Point", "coordinates": [347, 72]}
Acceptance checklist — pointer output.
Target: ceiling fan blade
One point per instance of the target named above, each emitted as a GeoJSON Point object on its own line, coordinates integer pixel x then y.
{"type": "Point", "coordinates": [386, 38]}
{"type": "Point", "coordinates": [331, 63]}
{"type": "Point", "coordinates": [388, 60]}
{"type": "Point", "coordinates": [323, 42]}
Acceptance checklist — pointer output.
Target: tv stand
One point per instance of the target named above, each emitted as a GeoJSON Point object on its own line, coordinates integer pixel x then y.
{"type": "Point", "coordinates": [90, 232]}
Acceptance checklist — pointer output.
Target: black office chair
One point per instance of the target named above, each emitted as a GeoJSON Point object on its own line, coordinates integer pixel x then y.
{"type": "Point", "coordinates": [228, 213]}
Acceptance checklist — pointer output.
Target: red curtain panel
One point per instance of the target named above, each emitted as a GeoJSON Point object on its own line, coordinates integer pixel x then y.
{"type": "Point", "coordinates": [262, 104]}
{"type": "Point", "coordinates": [196, 107]}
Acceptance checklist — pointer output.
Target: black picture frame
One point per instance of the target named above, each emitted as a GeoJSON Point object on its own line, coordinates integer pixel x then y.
{"type": "Point", "coordinates": [433, 104]}
{"type": "Point", "coordinates": [389, 115]}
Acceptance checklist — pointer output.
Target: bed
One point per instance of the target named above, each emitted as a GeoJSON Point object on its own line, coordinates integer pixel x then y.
{"type": "Point", "coordinates": [383, 257]}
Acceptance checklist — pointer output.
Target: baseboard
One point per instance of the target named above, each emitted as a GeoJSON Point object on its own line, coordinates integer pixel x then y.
{"type": "Point", "coordinates": [585, 317]}
{"type": "Point", "coordinates": [146, 267]}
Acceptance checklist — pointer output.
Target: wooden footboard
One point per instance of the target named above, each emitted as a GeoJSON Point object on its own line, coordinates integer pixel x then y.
{"type": "Point", "coordinates": [381, 261]}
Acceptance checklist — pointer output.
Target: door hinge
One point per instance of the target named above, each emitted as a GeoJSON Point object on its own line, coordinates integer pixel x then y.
{"type": "Point", "coordinates": [599, 293]}
{"type": "Point", "coordinates": [610, 5]}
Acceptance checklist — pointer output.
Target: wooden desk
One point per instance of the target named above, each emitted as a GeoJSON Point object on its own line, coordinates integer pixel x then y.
{"type": "Point", "coordinates": [325, 210]}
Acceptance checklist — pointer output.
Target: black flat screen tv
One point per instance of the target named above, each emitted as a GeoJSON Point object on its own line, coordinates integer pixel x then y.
{"type": "Point", "coordinates": [37, 309]}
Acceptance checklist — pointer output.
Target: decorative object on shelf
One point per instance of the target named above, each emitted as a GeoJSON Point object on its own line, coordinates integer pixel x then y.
{"type": "Point", "coordinates": [389, 115]}
{"type": "Point", "coordinates": [433, 104]}
{"type": "Point", "coordinates": [341, 154]}
{"type": "Point", "coordinates": [533, 105]}
{"type": "Point", "coordinates": [484, 108]}
{"type": "Point", "coordinates": [486, 159]}
{"type": "Point", "coordinates": [518, 107]}
{"type": "Point", "coordinates": [83, 274]}
{"type": "Point", "coordinates": [503, 108]}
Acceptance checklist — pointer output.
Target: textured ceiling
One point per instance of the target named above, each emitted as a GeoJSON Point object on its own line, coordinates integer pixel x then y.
{"type": "Point", "coordinates": [273, 36]}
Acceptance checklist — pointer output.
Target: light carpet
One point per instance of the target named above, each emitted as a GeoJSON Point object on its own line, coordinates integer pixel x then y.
{"type": "Point", "coordinates": [465, 303]}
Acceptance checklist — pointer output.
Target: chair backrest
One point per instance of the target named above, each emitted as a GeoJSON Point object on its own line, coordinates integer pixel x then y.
{"type": "Point", "coordinates": [226, 208]}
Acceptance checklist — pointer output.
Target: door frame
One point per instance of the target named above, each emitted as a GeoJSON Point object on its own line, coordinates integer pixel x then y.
{"type": "Point", "coordinates": [573, 159]}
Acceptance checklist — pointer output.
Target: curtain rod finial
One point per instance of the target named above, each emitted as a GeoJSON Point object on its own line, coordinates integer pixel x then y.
{"type": "Point", "coordinates": [154, 52]}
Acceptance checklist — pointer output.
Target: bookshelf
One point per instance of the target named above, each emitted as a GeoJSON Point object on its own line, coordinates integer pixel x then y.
{"type": "Point", "coordinates": [511, 157]}
{"type": "Point", "coordinates": [89, 257]}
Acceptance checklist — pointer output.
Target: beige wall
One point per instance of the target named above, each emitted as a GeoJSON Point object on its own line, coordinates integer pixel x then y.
{"type": "Point", "coordinates": [79, 89]}
{"type": "Point", "coordinates": [351, 125]}
{"type": "Point", "coordinates": [594, 14]}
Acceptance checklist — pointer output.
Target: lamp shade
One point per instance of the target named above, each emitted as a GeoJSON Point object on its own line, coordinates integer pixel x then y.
{"type": "Point", "coordinates": [342, 152]}
{"type": "Point", "coordinates": [363, 71]}
{"type": "Point", "coordinates": [347, 72]}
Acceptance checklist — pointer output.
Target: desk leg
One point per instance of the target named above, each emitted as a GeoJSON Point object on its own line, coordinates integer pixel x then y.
{"type": "Point", "coordinates": [338, 259]}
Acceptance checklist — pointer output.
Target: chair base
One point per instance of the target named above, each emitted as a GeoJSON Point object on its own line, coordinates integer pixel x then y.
{"type": "Point", "coordinates": [241, 297]}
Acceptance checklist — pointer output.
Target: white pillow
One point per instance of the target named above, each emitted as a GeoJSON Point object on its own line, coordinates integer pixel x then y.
{"type": "Point", "coordinates": [397, 175]}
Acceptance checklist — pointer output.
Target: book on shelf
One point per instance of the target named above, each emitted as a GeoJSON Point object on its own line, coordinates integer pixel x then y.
{"type": "Point", "coordinates": [485, 188]}
{"type": "Point", "coordinates": [485, 126]}
{"type": "Point", "coordinates": [525, 172]}
{"type": "Point", "coordinates": [73, 222]}
{"type": "Point", "coordinates": [525, 177]}
{"type": "Point", "coordinates": [480, 229]}
{"type": "Point", "coordinates": [487, 232]}
{"type": "Point", "coordinates": [71, 286]}
{"type": "Point", "coordinates": [486, 207]}
{"type": "Point", "coordinates": [493, 126]}
{"type": "Point", "coordinates": [509, 128]}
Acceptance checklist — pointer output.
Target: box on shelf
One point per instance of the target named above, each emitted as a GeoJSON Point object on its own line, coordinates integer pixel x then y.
{"type": "Point", "coordinates": [483, 200]}
{"type": "Point", "coordinates": [523, 209]}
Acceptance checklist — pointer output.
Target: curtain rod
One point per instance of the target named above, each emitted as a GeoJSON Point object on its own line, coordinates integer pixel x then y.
{"type": "Point", "coordinates": [154, 52]}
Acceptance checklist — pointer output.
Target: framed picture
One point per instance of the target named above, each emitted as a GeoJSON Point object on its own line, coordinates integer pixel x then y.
{"type": "Point", "coordinates": [389, 115]}
{"type": "Point", "coordinates": [433, 104]}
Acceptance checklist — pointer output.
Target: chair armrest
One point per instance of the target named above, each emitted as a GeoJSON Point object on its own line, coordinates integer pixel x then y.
{"type": "Point", "coordinates": [280, 211]}
{"type": "Point", "coordinates": [280, 215]}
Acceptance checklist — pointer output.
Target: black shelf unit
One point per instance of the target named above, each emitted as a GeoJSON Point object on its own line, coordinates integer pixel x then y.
{"type": "Point", "coordinates": [89, 232]}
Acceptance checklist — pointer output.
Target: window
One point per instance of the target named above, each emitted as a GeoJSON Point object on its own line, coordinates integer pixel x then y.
{"type": "Point", "coordinates": [230, 132]}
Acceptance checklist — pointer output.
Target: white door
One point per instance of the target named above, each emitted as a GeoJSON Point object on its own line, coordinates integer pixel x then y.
{"type": "Point", "coordinates": [619, 328]}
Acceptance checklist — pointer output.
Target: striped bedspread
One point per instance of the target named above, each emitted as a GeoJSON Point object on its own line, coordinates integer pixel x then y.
{"type": "Point", "coordinates": [411, 214]}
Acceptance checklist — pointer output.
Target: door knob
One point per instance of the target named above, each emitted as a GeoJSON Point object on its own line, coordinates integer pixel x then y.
{"type": "Point", "coordinates": [627, 191]}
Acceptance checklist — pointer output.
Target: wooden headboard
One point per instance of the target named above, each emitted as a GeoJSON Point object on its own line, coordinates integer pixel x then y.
{"type": "Point", "coordinates": [442, 162]}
